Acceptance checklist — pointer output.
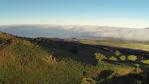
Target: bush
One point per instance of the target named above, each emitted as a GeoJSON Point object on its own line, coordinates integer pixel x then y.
{"type": "Point", "coordinates": [117, 53]}
{"type": "Point", "coordinates": [122, 58]}
{"type": "Point", "coordinates": [113, 58]}
{"type": "Point", "coordinates": [87, 80]}
{"type": "Point", "coordinates": [132, 58]}
{"type": "Point", "coordinates": [145, 61]}
{"type": "Point", "coordinates": [100, 57]}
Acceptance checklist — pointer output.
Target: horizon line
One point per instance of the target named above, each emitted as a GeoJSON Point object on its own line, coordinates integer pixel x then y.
{"type": "Point", "coordinates": [34, 24]}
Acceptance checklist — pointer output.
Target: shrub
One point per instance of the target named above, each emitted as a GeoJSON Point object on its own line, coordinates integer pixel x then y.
{"type": "Point", "coordinates": [100, 57]}
{"type": "Point", "coordinates": [145, 61]}
{"type": "Point", "coordinates": [137, 65]}
{"type": "Point", "coordinates": [122, 58]}
{"type": "Point", "coordinates": [138, 82]}
{"type": "Point", "coordinates": [50, 59]}
{"type": "Point", "coordinates": [132, 58]}
{"type": "Point", "coordinates": [117, 53]}
{"type": "Point", "coordinates": [87, 80]}
{"type": "Point", "coordinates": [113, 58]}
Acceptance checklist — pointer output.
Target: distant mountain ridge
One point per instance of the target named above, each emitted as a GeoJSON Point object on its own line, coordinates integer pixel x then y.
{"type": "Point", "coordinates": [80, 32]}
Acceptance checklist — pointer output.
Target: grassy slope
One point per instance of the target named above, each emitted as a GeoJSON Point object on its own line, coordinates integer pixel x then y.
{"type": "Point", "coordinates": [24, 62]}
{"type": "Point", "coordinates": [132, 45]}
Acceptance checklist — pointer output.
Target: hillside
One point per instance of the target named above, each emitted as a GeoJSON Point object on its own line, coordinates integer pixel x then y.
{"type": "Point", "coordinates": [23, 62]}
{"type": "Point", "coordinates": [59, 61]}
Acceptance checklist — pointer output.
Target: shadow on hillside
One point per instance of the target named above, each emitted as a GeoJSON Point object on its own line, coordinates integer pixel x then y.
{"type": "Point", "coordinates": [109, 77]}
{"type": "Point", "coordinates": [83, 52]}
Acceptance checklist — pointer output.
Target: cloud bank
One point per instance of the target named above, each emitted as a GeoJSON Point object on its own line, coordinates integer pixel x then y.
{"type": "Point", "coordinates": [82, 32]}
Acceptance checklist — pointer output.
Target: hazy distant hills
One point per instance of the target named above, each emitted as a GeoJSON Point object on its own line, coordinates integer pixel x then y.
{"type": "Point", "coordinates": [81, 32]}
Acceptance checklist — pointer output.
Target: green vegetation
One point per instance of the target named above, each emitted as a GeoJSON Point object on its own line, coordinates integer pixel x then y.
{"type": "Point", "coordinates": [100, 57]}
{"type": "Point", "coordinates": [87, 80]}
{"type": "Point", "coordinates": [112, 58]}
{"type": "Point", "coordinates": [117, 53]}
{"type": "Point", "coordinates": [123, 58]}
{"type": "Point", "coordinates": [145, 61]}
{"type": "Point", "coordinates": [22, 62]}
{"type": "Point", "coordinates": [132, 58]}
{"type": "Point", "coordinates": [113, 43]}
{"type": "Point", "coordinates": [46, 61]}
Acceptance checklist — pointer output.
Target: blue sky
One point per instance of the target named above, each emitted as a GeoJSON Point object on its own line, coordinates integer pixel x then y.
{"type": "Point", "coordinates": [121, 13]}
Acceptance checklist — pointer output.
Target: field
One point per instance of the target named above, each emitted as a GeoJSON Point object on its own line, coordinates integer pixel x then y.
{"type": "Point", "coordinates": [124, 44]}
{"type": "Point", "coordinates": [56, 61]}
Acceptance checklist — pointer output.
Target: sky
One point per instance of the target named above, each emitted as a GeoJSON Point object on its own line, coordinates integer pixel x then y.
{"type": "Point", "coordinates": [118, 13]}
